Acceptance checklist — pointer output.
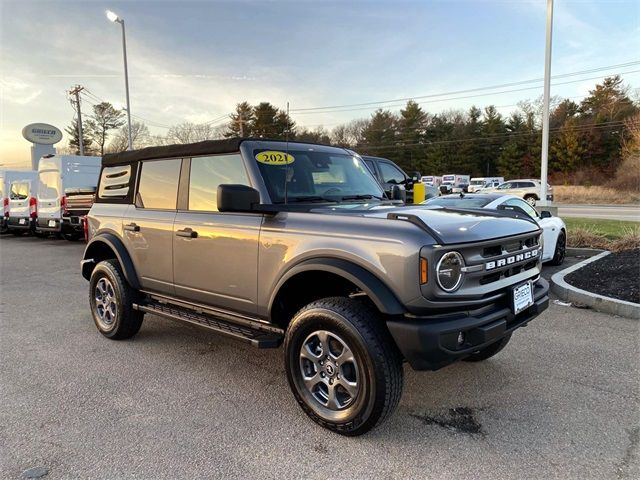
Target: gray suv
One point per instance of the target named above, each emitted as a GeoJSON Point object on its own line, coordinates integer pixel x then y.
{"type": "Point", "coordinates": [272, 242]}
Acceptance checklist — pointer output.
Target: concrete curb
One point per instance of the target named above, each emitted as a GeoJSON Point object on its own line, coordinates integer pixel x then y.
{"type": "Point", "coordinates": [583, 252]}
{"type": "Point", "coordinates": [600, 303]}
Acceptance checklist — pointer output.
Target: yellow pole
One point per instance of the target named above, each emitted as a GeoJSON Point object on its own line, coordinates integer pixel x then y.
{"type": "Point", "coordinates": [419, 193]}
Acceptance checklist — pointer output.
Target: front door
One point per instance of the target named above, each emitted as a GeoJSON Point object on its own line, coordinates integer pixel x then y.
{"type": "Point", "coordinates": [215, 255]}
{"type": "Point", "coordinates": [148, 225]}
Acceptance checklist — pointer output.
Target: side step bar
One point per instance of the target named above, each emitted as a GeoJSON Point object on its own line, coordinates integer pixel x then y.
{"type": "Point", "coordinates": [256, 336]}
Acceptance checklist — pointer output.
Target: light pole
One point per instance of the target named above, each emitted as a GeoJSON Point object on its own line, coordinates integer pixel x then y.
{"type": "Point", "coordinates": [114, 18]}
{"type": "Point", "coordinates": [545, 105]}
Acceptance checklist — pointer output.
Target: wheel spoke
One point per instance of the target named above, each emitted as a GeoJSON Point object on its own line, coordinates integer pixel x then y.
{"type": "Point", "coordinates": [346, 356]}
{"type": "Point", "coordinates": [305, 352]}
{"type": "Point", "coordinates": [350, 387]}
{"type": "Point", "coordinates": [332, 401]}
{"type": "Point", "coordinates": [311, 382]}
{"type": "Point", "coordinates": [324, 342]}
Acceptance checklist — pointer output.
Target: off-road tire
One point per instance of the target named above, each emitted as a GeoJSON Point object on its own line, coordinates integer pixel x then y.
{"type": "Point", "coordinates": [489, 351]}
{"type": "Point", "coordinates": [560, 250]}
{"type": "Point", "coordinates": [378, 359]}
{"type": "Point", "coordinates": [530, 199]}
{"type": "Point", "coordinates": [127, 321]}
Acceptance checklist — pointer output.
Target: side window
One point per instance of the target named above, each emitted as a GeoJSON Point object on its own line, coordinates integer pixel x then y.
{"type": "Point", "coordinates": [158, 187]}
{"type": "Point", "coordinates": [390, 173]}
{"type": "Point", "coordinates": [527, 185]}
{"type": "Point", "coordinates": [505, 186]}
{"type": "Point", "coordinates": [114, 182]}
{"type": "Point", "coordinates": [371, 166]}
{"type": "Point", "coordinates": [516, 202]}
{"type": "Point", "coordinates": [209, 172]}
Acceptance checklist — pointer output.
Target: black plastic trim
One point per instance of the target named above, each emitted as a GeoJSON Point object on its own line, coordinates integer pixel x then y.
{"type": "Point", "coordinates": [118, 248]}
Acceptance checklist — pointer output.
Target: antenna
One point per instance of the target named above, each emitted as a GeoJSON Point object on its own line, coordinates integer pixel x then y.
{"type": "Point", "coordinates": [286, 156]}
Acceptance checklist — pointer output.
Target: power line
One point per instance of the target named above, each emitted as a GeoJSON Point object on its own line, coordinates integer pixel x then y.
{"type": "Point", "coordinates": [477, 89]}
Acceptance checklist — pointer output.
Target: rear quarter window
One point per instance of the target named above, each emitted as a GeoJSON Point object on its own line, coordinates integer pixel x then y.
{"type": "Point", "coordinates": [115, 182]}
{"type": "Point", "coordinates": [158, 187]}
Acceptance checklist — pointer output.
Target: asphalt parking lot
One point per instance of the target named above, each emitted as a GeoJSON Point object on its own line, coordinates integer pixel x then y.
{"type": "Point", "coordinates": [561, 401]}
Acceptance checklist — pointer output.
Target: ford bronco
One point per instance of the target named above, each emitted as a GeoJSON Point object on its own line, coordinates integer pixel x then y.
{"type": "Point", "coordinates": [273, 242]}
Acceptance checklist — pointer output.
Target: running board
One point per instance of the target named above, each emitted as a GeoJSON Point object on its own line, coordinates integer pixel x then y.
{"type": "Point", "coordinates": [256, 336]}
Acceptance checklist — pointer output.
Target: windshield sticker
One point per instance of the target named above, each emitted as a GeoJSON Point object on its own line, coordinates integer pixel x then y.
{"type": "Point", "coordinates": [271, 157]}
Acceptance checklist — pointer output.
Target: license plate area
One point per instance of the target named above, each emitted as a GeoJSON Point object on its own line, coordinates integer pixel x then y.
{"type": "Point", "coordinates": [22, 221]}
{"type": "Point", "coordinates": [52, 223]}
{"type": "Point", "coordinates": [521, 297]}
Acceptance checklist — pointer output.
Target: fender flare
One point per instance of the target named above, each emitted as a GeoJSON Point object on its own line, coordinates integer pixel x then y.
{"type": "Point", "coordinates": [121, 253]}
{"type": "Point", "coordinates": [384, 299]}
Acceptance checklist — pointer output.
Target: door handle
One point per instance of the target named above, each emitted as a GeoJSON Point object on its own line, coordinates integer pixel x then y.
{"type": "Point", "coordinates": [187, 233]}
{"type": "Point", "coordinates": [132, 227]}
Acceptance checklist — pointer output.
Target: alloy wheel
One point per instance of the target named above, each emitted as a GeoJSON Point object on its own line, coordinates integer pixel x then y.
{"type": "Point", "coordinates": [329, 369]}
{"type": "Point", "coordinates": [106, 306]}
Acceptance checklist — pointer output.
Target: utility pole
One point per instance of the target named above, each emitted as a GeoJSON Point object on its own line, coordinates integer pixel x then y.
{"type": "Point", "coordinates": [544, 169]}
{"type": "Point", "coordinates": [76, 91]}
{"type": "Point", "coordinates": [241, 124]}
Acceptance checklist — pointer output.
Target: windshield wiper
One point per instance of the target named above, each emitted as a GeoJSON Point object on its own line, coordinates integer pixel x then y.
{"type": "Point", "coordinates": [311, 198]}
{"type": "Point", "coordinates": [362, 197]}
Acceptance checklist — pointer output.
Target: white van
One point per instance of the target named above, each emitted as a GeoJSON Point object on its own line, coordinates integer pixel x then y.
{"type": "Point", "coordinates": [432, 180]}
{"type": "Point", "coordinates": [6, 177]}
{"type": "Point", "coordinates": [478, 183]}
{"type": "Point", "coordinates": [66, 190]}
{"type": "Point", "coordinates": [23, 205]}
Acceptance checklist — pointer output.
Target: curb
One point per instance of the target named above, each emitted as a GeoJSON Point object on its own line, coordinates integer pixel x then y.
{"type": "Point", "coordinates": [600, 303]}
{"type": "Point", "coordinates": [583, 252]}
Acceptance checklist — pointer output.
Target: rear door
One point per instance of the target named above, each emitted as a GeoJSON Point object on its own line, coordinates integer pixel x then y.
{"type": "Point", "coordinates": [49, 193]}
{"type": "Point", "coordinates": [215, 255]}
{"type": "Point", "coordinates": [148, 224]}
{"type": "Point", "coordinates": [19, 200]}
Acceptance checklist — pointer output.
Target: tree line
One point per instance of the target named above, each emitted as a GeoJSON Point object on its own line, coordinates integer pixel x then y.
{"type": "Point", "coordinates": [586, 138]}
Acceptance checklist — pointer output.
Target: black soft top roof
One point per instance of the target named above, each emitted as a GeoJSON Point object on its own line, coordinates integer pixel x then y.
{"type": "Point", "coordinates": [228, 145]}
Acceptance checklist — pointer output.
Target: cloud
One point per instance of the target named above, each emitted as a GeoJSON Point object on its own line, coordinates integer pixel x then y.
{"type": "Point", "coordinates": [18, 91]}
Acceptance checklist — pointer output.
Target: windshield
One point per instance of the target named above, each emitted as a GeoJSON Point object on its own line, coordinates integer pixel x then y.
{"type": "Point", "coordinates": [316, 176]}
{"type": "Point", "coordinates": [478, 182]}
{"type": "Point", "coordinates": [465, 202]}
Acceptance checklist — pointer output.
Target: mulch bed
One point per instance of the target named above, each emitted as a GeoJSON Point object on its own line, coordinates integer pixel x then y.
{"type": "Point", "coordinates": [617, 276]}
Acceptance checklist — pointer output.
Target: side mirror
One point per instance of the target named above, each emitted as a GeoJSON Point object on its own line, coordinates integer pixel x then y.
{"type": "Point", "coordinates": [545, 214]}
{"type": "Point", "coordinates": [415, 177]}
{"type": "Point", "coordinates": [237, 198]}
{"type": "Point", "coordinates": [397, 193]}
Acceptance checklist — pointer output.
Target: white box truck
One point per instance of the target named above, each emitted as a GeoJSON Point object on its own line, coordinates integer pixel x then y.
{"type": "Point", "coordinates": [66, 191]}
{"type": "Point", "coordinates": [454, 183]}
{"type": "Point", "coordinates": [6, 177]}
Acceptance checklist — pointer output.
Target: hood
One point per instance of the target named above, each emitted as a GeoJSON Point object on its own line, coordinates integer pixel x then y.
{"type": "Point", "coordinates": [454, 226]}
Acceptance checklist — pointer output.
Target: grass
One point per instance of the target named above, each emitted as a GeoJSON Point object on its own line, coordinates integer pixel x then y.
{"type": "Point", "coordinates": [594, 195]}
{"type": "Point", "coordinates": [614, 235]}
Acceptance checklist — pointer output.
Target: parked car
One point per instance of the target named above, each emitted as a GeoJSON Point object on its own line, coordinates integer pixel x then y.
{"type": "Point", "coordinates": [23, 206]}
{"type": "Point", "coordinates": [478, 183]}
{"type": "Point", "coordinates": [271, 242]}
{"type": "Point", "coordinates": [555, 231]}
{"type": "Point", "coordinates": [434, 181]}
{"type": "Point", "coordinates": [391, 175]}
{"type": "Point", "coordinates": [528, 189]}
{"type": "Point", "coordinates": [489, 185]}
{"type": "Point", "coordinates": [6, 177]}
{"type": "Point", "coordinates": [67, 186]}
{"type": "Point", "coordinates": [454, 183]}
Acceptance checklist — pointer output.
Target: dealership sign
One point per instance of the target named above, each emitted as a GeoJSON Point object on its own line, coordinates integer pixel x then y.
{"type": "Point", "coordinates": [42, 134]}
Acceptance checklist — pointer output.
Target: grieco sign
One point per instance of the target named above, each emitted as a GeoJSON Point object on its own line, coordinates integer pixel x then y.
{"type": "Point", "coordinates": [42, 134]}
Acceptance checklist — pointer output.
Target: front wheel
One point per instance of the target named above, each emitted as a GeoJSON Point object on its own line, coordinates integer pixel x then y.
{"type": "Point", "coordinates": [342, 365]}
{"type": "Point", "coordinates": [111, 299]}
{"type": "Point", "coordinates": [560, 250]}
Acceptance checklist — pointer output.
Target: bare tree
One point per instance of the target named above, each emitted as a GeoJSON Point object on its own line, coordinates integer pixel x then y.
{"type": "Point", "coordinates": [189, 132]}
{"type": "Point", "coordinates": [140, 137]}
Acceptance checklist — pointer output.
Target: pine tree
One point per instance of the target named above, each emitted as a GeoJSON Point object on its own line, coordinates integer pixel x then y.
{"type": "Point", "coordinates": [74, 142]}
{"type": "Point", "coordinates": [241, 121]}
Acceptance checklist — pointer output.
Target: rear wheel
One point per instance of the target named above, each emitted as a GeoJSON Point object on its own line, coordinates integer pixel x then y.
{"type": "Point", "coordinates": [111, 299]}
{"type": "Point", "coordinates": [531, 200]}
{"type": "Point", "coordinates": [560, 251]}
{"type": "Point", "coordinates": [489, 351]}
{"type": "Point", "coordinates": [342, 366]}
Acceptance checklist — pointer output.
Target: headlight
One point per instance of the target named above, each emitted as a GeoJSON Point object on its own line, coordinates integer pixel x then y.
{"type": "Point", "coordinates": [449, 271]}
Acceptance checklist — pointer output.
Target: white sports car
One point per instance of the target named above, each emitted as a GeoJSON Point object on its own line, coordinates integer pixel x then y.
{"type": "Point", "coordinates": [554, 229]}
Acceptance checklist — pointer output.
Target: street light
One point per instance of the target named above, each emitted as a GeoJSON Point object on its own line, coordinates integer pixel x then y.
{"type": "Point", "coordinates": [115, 18]}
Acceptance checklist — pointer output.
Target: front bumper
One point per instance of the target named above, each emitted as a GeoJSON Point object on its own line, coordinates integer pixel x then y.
{"type": "Point", "coordinates": [431, 342]}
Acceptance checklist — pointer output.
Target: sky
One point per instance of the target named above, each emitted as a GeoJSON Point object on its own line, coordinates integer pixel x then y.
{"type": "Point", "coordinates": [194, 60]}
